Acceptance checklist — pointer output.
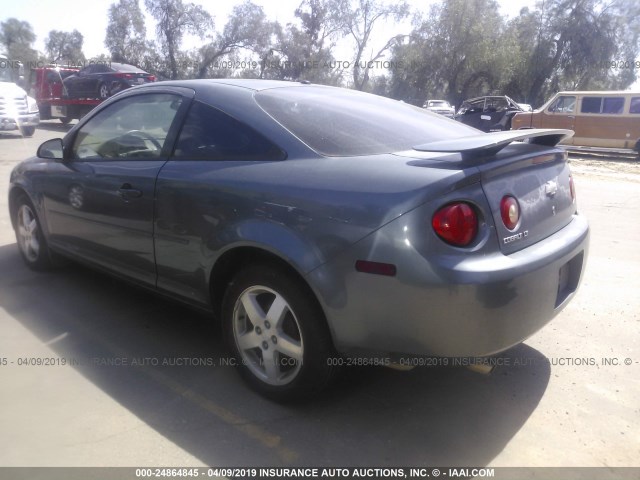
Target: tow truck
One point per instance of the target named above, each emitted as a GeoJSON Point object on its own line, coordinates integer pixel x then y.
{"type": "Point", "coordinates": [47, 86]}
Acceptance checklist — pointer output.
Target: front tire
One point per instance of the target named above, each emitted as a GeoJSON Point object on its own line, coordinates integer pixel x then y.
{"type": "Point", "coordinates": [28, 131]}
{"type": "Point", "coordinates": [31, 242]}
{"type": "Point", "coordinates": [277, 334]}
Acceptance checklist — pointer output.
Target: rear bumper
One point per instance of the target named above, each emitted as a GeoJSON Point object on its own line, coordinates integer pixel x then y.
{"type": "Point", "coordinates": [455, 305]}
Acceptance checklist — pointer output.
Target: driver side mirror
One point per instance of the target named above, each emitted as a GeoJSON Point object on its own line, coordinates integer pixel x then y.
{"type": "Point", "coordinates": [51, 149]}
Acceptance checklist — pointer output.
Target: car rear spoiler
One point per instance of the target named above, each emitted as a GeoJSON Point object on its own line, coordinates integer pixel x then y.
{"type": "Point", "coordinates": [487, 144]}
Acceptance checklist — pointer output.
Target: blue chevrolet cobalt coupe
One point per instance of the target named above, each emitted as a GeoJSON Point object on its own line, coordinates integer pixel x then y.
{"type": "Point", "coordinates": [319, 224]}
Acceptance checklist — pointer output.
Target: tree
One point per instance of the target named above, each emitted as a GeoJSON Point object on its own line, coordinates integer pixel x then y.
{"type": "Point", "coordinates": [175, 19]}
{"type": "Point", "coordinates": [359, 19]}
{"type": "Point", "coordinates": [247, 28]}
{"type": "Point", "coordinates": [64, 46]}
{"type": "Point", "coordinates": [126, 33]}
{"type": "Point", "coordinates": [303, 51]}
{"type": "Point", "coordinates": [16, 37]}
{"type": "Point", "coordinates": [16, 32]}
{"type": "Point", "coordinates": [567, 44]}
{"type": "Point", "coordinates": [457, 51]}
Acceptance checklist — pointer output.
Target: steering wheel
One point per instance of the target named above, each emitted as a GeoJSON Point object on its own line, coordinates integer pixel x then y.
{"type": "Point", "coordinates": [145, 136]}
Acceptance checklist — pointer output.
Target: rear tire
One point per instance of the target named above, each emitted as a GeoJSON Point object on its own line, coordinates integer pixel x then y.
{"type": "Point", "coordinates": [103, 91]}
{"type": "Point", "coordinates": [31, 242]}
{"type": "Point", "coordinates": [277, 334]}
{"type": "Point", "coordinates": [65, 120]}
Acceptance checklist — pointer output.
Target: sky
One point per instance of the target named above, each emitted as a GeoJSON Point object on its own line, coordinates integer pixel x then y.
{"type": "Point", "coordinates": [89, 17]}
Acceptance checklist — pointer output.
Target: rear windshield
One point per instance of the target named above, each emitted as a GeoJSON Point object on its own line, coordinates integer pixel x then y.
{"type": "Point", "coordinates": [341, 122]}
{"type": "Point", "coordinates": [123, 67]}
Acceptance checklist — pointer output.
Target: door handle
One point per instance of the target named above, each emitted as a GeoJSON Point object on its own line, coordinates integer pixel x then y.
{"type": "Point", "coordinates": [127, 191]}
{"type": "Point", "coordinates": [571, 116]}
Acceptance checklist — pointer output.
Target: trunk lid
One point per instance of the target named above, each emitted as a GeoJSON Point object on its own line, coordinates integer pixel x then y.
{"type": "Point", "coordinates": [534, 173]}
{"type": "Point", "coordinates": [540, 183]}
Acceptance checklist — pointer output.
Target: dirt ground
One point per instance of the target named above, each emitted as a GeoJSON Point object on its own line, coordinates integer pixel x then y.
{"type": "Point", "coordinates": [622, 170]}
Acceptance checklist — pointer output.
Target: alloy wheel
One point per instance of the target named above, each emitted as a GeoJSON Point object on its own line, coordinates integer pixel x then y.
{"type": "Point", "coordinates": [28, 233]}
{"type": "Point", "coordinates": [268, 335]}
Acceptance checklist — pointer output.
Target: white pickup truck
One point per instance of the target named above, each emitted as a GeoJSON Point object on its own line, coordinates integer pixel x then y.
{"type": "Point", "coordinates": [17, 109]}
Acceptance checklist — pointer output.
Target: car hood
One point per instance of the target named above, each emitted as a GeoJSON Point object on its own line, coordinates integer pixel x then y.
{"type": "Point", "coordinates": [7, 88]}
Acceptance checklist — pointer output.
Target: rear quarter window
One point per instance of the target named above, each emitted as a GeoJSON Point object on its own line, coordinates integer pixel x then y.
{"type": "Point", "coordinates": [635, 105]}
{"type": "Point", "coordinates": [209, 134]}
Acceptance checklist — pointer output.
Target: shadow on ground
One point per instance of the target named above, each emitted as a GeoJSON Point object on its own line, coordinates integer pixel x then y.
{"type": "Point", "coordinates": [374, 416]}
{"type": "Point", "coordinates": [56, 126]}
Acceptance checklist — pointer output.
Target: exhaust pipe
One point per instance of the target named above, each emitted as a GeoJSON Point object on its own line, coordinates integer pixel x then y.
{"type": "Point", "coordinates": [482, 368]}
{"type": "Point", "coordinates": [400, 367]}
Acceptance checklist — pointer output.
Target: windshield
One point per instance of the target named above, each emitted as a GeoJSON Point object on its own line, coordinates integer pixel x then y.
{"type": "Point", "coordinates": [341, 122]}
{"type": "Point", "coordinates": [439, 103]}
{"type": "Point", "coordinates": [5, 72]}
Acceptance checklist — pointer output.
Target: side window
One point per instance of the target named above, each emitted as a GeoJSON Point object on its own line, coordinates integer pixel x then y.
{"type": "Point", "coordinates": [101, 68]}
{"type": "Point", "coordinates": [135, 127]}
{"type": "Point", "coordinates": [209, 134]}
{"type": "Point", "coordinates": [613, 105]}
{"type": "Point", "coordinates": [635, 105]}
{"type": "Point", "coordinates": [591, 104]}
{"type": "Point", "coordinates": [496, 105]}
{"type": "Point", "coordinates": [564, 104]}
{"type": "Point", "coordinates": [472, 107]}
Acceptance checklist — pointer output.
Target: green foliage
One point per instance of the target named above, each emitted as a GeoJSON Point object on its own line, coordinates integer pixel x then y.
{"type": "Point", "coordinates": [126, 33]}
{"type": "Point", "coordinates": [464, 49]}
{"type": "Point", "coordinates": [303, 51]}
{"type": "Point", "coordinates": [247, 29]}
{"type": "Point", "coordinates": [359, 18]}
{"type": "Point", "coordinates": [174, 20]}
{"type": "Point", "coordinates": [64, 47]}
{"type": "Point", "coordinates": [16, 38]}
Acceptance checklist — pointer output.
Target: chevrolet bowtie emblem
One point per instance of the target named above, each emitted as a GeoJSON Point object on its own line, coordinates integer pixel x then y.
{"type": "Point", "coordinates": [550, 188]}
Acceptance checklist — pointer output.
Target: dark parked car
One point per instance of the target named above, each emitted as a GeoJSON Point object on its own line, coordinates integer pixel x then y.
{"type": "Point", "coordinates": [317, 223]}
{"type": "Point", "coordinates": [489, 114]}
{"type": "Point", "coordinates": [101, 80]}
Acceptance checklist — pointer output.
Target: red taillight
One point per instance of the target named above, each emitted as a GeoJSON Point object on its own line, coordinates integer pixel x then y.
{"type": "Point", "coordinates": [124, 75]}
{"type": "Point", "coordinates": [572, 188]}
{"type": "Point", "coordinates": [510, 212]}
{"type": "Point", "coordinates": [456, 223]}
{"type": "Point", "coordinates": [152, 78]}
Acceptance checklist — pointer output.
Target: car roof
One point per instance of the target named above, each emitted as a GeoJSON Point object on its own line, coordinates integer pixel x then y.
{"type": "Point", "coordinates": [250, 84]}
{"type": "Point", "coordinates": [486, 96]}
{"type": "Point", "coordinates": [600, 92]}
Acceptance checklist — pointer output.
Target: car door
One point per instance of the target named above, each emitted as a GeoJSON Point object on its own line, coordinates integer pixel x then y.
{"type": "Point", "coordinates": [494, 111]}
{"type": "Point", "coordinates": [99, 204]}
{"type": "Point", "coordinates": [473, 112]}
{"type": "Point", "coordinates": [198, 197]}
{"type": "Point", "coordinates": [561, 113]}
{"type": "Point", "coordinates": [79, 85]}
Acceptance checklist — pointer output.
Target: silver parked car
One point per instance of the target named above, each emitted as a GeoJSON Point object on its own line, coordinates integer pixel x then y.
{"type": "Point", "coordinates": [441, 107]}
{"type": "Point", "coordinates": [317, 223]}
